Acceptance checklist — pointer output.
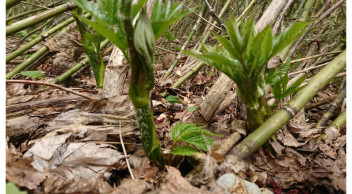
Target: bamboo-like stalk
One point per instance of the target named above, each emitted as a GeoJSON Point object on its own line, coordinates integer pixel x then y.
{"type": "Point", "coordinates": [76, 67]}
{"type": "Point", "coordinates": [23, 14]}
{"type": "Point", "coordinates": [280, 118]}
{"type": "Point", "coordinates": [20, 25]}
{"type": "Point", "coordinates": [27, 62]}
{"type": "Point", "coordinates": [11, 3]}
{"type": "Point", "coordinates": [194, 29]}
{"type": "Point", "coordinates": [332, 108]}
{"type": "Point", "coordinates": [32, 11]}
{"type": "Point", "coordinates": [340, 121]}
{"type": "Point", "coordinates": [43, 36]}
{"type": "Point", "coordinates": [196, 68]}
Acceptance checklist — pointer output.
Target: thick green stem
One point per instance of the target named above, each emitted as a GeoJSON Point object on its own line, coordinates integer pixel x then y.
{"type": "Point", "coordinates": [141, 83]}
{"type": "Point", "coordinates": [254, 117]}
{"type": "Point", "coordinates": [20, 25]}
{"type": "Point", "coordinates": [280, 118]}
{"type": "Point", "coordinates": [340, 121]}
{"type": "Point", "coordinates": [150, 140]}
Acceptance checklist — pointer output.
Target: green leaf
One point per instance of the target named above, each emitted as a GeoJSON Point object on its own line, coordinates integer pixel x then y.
{"type": "Point", "coordinates": [32, 74]}
{"type": "Point", "coordinates": [173, 99]}
{"type": "Point", "coordinates": [164, 16]}
{"type": "Point", "coordinates": [294, 87]}
{"type": "Point", "coordinates": [11, 188]}
{"type": "Point", "coordinates": [184, 150]}
{"type": "Point", "coordinates": [144, 40]}
{"type": "Point", "coordinates": [192, 109]}
{"type": "Point", "coordinates": [229, 47]}
{"type": "Point", "coordinates": [137, 6]}
{"type": "Point", "coordinates": [190, 133]}
{"type": "Point", "coordinates": [262, 47]}
{"type": "Point", "coordinates": [220, 61]}
{"type": "Point", "coordinates": [274, 75]}
{"type": "Point", "coordinates": [248, 33]}
{"type": "Point", "coordinates": [91, 44]}
{"type": "Point", "coordinates": [289, 35]}
{"type": "Point", "coordinates": [104, 10]}
{"type": "Point", "coordinates": [234, 34]}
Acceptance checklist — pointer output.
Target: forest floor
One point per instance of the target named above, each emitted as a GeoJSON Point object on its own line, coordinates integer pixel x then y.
{"type": "Point", "coordinates": [58, 142]}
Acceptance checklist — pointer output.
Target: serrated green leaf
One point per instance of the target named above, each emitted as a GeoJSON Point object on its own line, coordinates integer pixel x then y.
{"type": "Point", "coordinates": [172, 99]}
{"type": "Point", "coordinates": [190, 133]}
{"type": "Point", "coordinates": [289, 35]}
{"type": "Point", "coordinates": [277, 90]}
{"type": "Point", "coordinates": [231, 50]}
{"type": "Point", "coordinates": [32, 74]}
{"type": "Point", "coordinates": [248, 34]}
{"type": "Point", "coordinates": [234, 34]}
{"type": "Point", "coordinates": [220, 61]}
{"type": "Point", "coordinates": [262, 47]}
{"type": "Point", "coordinates": [184, 150]}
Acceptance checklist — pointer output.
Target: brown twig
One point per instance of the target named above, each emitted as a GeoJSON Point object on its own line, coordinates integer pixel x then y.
{"type": "Point", "coordinates": [51, 85]}
{"type": "Point", "coordinates": [124, 152]}
{"type": "Point", "coordinates": [314, 56]}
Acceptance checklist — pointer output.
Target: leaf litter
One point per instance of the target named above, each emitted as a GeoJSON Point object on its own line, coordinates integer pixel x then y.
{"type": "Point", "coordinates": [77, 150]}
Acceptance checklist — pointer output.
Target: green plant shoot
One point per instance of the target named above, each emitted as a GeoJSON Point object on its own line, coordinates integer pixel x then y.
{"type": "Point", "coordinates": [113, 20]}
{"type": "Point", "coordinates": [243, 58]}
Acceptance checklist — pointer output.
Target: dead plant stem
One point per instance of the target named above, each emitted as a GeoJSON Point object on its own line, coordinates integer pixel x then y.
{"type": "Point", "coordinates": [51, 85]}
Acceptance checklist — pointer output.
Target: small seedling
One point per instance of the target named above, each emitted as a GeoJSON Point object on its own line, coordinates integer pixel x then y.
{"type": "Point", "coordinates": [196, 137]}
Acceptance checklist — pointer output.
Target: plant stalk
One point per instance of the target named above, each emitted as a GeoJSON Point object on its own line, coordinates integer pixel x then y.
{"type": "Point", "coordinates": [43, 36]}
{"type": "Point", "coordinates": [20, 25]}
{"type": "Point", "coordinates": [27, 62]}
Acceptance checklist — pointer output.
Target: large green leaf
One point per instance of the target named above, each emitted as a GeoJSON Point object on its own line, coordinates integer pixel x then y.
{"type": "Point", "coordinates": [289, 35]}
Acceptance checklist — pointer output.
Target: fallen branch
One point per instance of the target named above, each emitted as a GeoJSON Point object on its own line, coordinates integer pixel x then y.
{"type": "Point", "coordinates": [51, 85]}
